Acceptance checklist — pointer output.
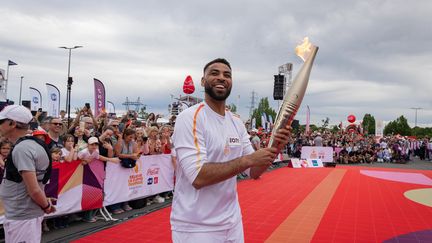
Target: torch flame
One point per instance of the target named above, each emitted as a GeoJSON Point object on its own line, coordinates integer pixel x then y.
{"type": "Point", "coordinates": [304, 50]}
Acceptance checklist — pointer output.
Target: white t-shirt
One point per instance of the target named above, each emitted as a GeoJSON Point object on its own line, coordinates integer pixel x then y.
{"type": "Point", "coordinates": [200, 136]}
{"type": "Point", "coordinates": [65, 152]}
{"type": "Point", "coordinates": [85, 154]}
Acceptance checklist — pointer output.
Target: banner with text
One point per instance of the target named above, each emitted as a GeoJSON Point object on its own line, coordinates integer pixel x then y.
{"type": "Point", "coordinates": [325, 154]}
{"type": "Point", "coordinates": [152, 175]}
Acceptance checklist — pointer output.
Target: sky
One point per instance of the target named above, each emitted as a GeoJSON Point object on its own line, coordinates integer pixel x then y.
{"type": "Point", "coordinates": [374, 56]}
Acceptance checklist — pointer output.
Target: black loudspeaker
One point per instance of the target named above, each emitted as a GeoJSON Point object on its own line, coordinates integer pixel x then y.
{"type": "Point", "coordinates": [279, 82]}
{"type": "Point", "coordinates": [26, 103]}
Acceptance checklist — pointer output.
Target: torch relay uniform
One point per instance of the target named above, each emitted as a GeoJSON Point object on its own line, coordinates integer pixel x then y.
{"type": "Point", "coordinates": [211, 213]}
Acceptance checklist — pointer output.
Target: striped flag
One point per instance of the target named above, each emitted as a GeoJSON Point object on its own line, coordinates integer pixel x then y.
{"type": "Point", "coordinates": [11, 63]}
{"type": "Point", "coordinates": [307, 120]}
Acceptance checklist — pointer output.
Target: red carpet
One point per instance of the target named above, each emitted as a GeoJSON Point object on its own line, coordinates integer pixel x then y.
{"type": "Point", "coordinates": [360, 209]}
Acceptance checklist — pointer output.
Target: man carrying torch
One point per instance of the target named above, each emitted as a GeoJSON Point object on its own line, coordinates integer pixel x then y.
{"type": "Point", "coordinates": [212, 147]}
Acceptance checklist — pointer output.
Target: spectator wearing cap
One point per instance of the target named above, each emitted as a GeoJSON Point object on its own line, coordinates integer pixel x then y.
{"type": "Point", "coordinates": [255, 140]}
{"type": "Point", "coordinates": [87, 156]}
{"type": "Point", "coordinates": [24, 199]}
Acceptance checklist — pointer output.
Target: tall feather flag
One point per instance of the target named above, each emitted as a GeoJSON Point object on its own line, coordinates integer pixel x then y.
{"type": "Point", "coordinates": [99, 96]}
{"type": "Point", "coordinates": [264, 121]}
{"type": "Point", "coordinates": [53, 100]}
{"type": "Point", "coordinates": [308, 120]}
{"type": "Point", "coordinates": [35, 99]}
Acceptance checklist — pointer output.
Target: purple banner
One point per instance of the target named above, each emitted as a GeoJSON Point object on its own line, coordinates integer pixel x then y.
{"type": "Point", "coordinates": [99, 97]}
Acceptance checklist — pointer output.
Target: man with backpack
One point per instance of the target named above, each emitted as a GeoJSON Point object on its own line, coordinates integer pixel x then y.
{"type": "Point", "coordinates": [27, 169]}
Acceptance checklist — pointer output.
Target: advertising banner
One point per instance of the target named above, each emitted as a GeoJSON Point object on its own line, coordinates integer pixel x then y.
{"type": "Point", "coordinates": [99, 97]}
{"type": "Point", "coordinates": [152, 175]}
{"type": "Point", "coordinates": [325, 154]}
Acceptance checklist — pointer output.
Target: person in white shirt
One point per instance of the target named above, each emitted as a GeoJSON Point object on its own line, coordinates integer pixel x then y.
{"type": "Point", "coordinates": [212, 147]}
{"type": "Point", "coordinates": [91, 153]}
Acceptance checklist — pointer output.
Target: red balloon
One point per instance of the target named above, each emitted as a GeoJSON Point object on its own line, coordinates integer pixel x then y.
{"type": "Point", "coordinates": [188, 86]}
{"type": "Point", "coordinates": [351, 118]}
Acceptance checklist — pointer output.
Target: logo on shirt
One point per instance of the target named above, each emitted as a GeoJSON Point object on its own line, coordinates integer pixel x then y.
{"type": "Point", "coordinates": [234, 141]}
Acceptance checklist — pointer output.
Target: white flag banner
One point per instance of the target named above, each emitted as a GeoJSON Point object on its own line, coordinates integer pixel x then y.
{"type": "Point", "coordinates": [35, 99]}
{"type": "Point", "coordinates": [53, 98]}
{"type": "Point", "coordinates": [379, 128]}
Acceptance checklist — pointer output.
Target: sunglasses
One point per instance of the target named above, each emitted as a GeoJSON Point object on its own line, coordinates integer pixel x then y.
{"type": "Point", "coordinates": [2, 121]}
{"type": "Point", "coordinates": [57, 124]}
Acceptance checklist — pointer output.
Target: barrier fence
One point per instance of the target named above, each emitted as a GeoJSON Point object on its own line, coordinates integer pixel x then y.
{"type": "Point", "coordinates": [80, 187]}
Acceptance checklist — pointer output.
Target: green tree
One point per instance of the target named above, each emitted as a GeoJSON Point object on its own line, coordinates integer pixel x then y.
{"type": "Point", "coordinates": [335, 128]}
{"type": "Point", "coordinates": [368, 124]}
{"type": "Point", "coordinates": [232, 108]}
{"type": "Point", "coordinates": [263, 107]}
{"type": "Point", "coordinates": [398, 126]}
{"type": "Point", "coordinates": [325, 122]}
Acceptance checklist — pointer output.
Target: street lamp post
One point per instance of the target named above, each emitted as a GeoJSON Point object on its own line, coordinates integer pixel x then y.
{"type": "Point", "coordinates": [416, 109]}
{"type": "Point", "coordinates": [69, 81]}
{"type": "Point", "coordinates": [19, 103]}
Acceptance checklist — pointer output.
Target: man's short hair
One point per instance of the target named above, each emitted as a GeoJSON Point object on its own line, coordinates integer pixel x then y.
{"type": "Point", "coordinates": [217, 60]}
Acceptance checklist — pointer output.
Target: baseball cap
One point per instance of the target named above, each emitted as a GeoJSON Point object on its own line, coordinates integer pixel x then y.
{"type": "Point", "coordinates": [93, 140]}
{"type": "Point", "coordinates": [16, 113]}
{"type": "Point", "coordinates": [254, 130]}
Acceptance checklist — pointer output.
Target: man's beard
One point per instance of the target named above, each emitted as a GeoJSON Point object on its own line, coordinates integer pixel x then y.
{"type": "Point", "coordinates": [219, 97]}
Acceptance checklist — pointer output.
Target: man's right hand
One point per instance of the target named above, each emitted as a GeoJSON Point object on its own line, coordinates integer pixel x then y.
{"type": "Point", "coordinates": [262, 157]}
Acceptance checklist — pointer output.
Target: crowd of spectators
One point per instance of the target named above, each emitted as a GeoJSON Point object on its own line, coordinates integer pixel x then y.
{"type": "Point", "coordinates": [124, 139]}
{"type": "Point", "coordinates": [352, 147]}
{"type": "Point", "coordinates": [107, 138]}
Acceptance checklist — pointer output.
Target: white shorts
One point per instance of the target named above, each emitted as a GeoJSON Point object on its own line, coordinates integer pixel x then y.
{"type": "Point", "coordinates": [27, 230]}
{"type": "Point", "coordinates": [233, 235]}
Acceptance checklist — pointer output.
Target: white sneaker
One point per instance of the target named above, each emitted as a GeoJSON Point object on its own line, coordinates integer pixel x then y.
{"type": "Point", "coordinates": [159, 199]}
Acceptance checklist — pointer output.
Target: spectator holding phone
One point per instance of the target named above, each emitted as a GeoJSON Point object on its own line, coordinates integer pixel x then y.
{"type": "Point", "coordinates": [70, 149]}
{"type": "Point", "coordinates": [142, 141]}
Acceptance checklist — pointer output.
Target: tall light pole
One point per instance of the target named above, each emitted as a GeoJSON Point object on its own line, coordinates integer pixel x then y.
{"type": "Point", "coordinates": [416, 109]}
{"type": "Point", "coordinates": [19, 103]}
{"type": "Point", "coordinates": [69, 81]}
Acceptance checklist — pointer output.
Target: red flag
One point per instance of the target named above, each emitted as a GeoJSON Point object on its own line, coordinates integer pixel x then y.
{"type": "Point", "coordinates": [188, 86]}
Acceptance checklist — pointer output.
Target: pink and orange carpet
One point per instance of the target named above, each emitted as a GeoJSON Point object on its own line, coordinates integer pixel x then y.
{"type": "Point", "coordinates": [343, 204]}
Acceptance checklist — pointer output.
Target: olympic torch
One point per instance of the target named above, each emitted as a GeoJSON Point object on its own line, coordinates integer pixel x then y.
{"type": "Point", "coordinates": [292, 100]}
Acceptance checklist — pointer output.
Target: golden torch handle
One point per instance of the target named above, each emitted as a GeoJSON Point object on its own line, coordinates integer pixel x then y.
{"type": "Point", "coordinates": [292, 100]}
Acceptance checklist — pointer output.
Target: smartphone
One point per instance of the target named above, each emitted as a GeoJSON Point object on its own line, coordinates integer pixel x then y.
{"type": "Point", "coordinates": [40, 109]}
{"type": "Point", "coordinates": [82, 126]}
{"type": "Point", "coordinates": [34, 125]}
{"type": "Point", "coordinates": [87, 105]}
